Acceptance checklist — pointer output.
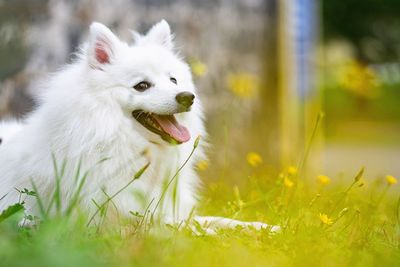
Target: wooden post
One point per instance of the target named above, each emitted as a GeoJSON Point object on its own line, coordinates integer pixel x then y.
{"type": "Point", "coordinates": [298, 98]}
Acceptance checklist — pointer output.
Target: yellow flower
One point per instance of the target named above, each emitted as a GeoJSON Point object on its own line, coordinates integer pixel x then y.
{"type": "Point", "coordinates": [359, 79]}
{"type": "Point", "coordinates": [325, 219]}
{"type": "Point", "coordinates": [391, 180]}
{"type": "Point", "coordinates": [199, 69]}
{"type": "Point", "coordinates": [243, 85]}
{"type": "Point", "coordinates": [292, 170]}
{"type": "Point", "coordinates": [254, 159]}
{"type": "Point", "coordinates": [323, 179]}
{"type": "Point", "coordinates": [202, 165]}
{"type": "Point", "coordinates": [287, 182]}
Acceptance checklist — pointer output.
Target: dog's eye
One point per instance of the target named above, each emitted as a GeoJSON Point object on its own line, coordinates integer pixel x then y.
{"type": "Point", "coordinates": [142, 86]}
{"type": "Point", "coordinates": [172, 79]}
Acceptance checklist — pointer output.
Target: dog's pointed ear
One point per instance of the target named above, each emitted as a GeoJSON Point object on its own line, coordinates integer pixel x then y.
{"type": "Point", "coordinates": [102, 45]}
{"type": "Point", "coordinates": [160, 33]}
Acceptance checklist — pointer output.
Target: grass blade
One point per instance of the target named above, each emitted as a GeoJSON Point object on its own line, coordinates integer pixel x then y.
{"type": "Point", "coordinates": [135, 177]}
{"type": "Point", "coordinates": [11, 210]}
{"type": "Point", "coordinates": [196, 143]}
{"type": "Point", "coordinates": [39, 201]}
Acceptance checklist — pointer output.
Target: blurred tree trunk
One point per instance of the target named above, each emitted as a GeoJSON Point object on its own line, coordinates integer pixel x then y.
{"type": "Point", "coordinates": [266, 119]}
{"type": "Point", "coordinates": [289, 97]}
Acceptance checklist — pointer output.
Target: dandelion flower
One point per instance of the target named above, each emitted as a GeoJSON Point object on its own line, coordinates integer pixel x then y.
{"type": "Point", "coordinates": [292, 170]}
{"type": "Point", "coordinates": [199, 69]}
{"type": "Point", "coordinates": [254, 159]}
{"type": "Point", "coordinates": [323, 179]}
{"type": "Point", "coordinates": [287, 182]}
{"type": "Point", "coordinates": [391, 180]}
{"type": "Point", "coordinates": [243, 85]}
{"type": "Point", "coordinates": [202, 165]}
{"type": "Point", "coordinates": [325, 219]}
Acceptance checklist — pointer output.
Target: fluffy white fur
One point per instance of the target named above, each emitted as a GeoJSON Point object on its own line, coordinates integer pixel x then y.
{"type": "Point", "coordinates": [85, 116]}
{"type": "Point", "coordinates": [8, 129]}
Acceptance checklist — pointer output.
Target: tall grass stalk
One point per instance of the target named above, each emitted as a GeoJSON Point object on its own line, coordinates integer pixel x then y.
{"type": "Point", "coordinates": [136, 177]}
{"type": "Point", "coordinates": [195, 145]}
{"type": "Point", "coordinates": [303, 160]}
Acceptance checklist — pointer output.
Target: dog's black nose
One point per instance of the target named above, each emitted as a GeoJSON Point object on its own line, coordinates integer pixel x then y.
{"type": "Point", "coordinates": [185, 99]}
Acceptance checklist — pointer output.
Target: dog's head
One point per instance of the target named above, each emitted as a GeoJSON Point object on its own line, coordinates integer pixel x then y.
{"type": "Point", "coordinates": [147, 79]}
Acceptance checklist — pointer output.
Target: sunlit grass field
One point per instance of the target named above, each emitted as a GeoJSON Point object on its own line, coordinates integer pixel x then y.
{"type": "Point", "coordinates": [353, 222]}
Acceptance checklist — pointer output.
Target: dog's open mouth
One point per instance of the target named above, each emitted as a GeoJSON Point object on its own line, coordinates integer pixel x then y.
{"type": "Point", "coordinates": [166, 126]}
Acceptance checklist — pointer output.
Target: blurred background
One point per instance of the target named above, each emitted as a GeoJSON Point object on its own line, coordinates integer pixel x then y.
{"type": "Point", "coordinates": [264, 69]}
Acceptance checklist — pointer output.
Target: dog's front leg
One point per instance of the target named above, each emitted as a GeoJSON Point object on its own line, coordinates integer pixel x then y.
{"type": "Point", "coordinates": [211, 224]}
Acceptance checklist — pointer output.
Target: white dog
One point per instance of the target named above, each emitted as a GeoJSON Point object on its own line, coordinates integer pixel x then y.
{"type": "Point", "coordinates": [108, 114]}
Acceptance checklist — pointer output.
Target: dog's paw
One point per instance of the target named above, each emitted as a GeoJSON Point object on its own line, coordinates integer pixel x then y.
{"type": "Point", "coordinates": [215, 223]}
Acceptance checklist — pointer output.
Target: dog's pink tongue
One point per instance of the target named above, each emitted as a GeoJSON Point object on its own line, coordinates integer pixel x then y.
{"type": "Point", "coordinates": [169, 124]}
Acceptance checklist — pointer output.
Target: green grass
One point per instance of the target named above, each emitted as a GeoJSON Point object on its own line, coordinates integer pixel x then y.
{"type": "Point", "coordinates": [364, 230]}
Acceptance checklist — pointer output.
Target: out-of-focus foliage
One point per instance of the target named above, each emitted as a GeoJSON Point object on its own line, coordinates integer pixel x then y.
{"type": "Point", "coordinates": [359, 79]}
{"type": "Point", "coordinates": [372, 26]}
{"type": "Point", "coordinates": [361, 74]}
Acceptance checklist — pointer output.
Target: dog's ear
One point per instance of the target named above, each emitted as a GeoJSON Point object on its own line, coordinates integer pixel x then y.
{"type": "Point", "coordinates": [160, 33]}
{"type": "Point", "coordinates": [102, 45]}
